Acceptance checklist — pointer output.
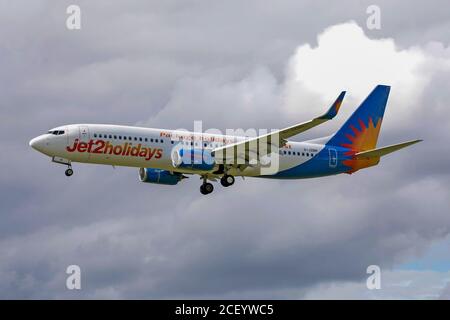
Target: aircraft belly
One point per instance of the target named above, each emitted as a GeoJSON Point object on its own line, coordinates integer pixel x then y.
{"type": "Point", "coordinates": [119, 160]}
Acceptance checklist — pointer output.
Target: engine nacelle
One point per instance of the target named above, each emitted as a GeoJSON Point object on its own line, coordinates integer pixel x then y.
{"type": "Point", "coordinates": [159, 176]}
{"type": "Point", "coordinates": [194, 159]}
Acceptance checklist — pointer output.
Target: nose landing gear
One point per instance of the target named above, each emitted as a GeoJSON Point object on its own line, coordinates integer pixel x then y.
{"type": "Point", "coordinates": [65, 162]}
{"type": "Point", "coordinates": [69, 172]}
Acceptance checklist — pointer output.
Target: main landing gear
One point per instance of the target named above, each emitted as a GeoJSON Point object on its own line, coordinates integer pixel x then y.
{"type": "Point", "coordinates": [207, 187]}
{"type": "Point", "coordinates": [227, 180]}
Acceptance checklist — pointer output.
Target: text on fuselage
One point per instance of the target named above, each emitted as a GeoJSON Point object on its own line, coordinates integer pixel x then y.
{"type": "Point", "coordinates": [102, 147]}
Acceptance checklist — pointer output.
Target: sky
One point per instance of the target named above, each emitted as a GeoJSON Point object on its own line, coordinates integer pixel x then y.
{"type": "Point", "coordinates": [230, 64]}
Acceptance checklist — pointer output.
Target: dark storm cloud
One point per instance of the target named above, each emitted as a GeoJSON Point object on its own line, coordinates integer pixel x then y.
{"type": "Point", "coordinates": [167, 64]}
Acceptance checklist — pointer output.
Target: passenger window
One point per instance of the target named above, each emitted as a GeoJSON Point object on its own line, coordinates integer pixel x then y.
{"type": "Point", "coordinates": [99, 135]}
{"type": "Point", "coordinates": [151, 140]}
{"type": "Point", "coordinates": [129, 138]}
{"type": "Point", "coordinates": [303, 154]}
{"type": "Point", "coordinates": [120, 137]}
{"type": "Point", "coordinates": [115, 137]}
{"type": "Point", "coordinates": [284, 151]}
{"type": "Point", "coordinates": [307, 154]}
{"type": "Point", "coordinates": [95, 135]}
{"type": "Point", "coordinates": [162, 141]}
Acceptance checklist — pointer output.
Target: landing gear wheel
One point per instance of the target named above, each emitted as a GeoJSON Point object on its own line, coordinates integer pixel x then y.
{"type": "Point", "coordinates": [69, 172]}
{"type": "Point", "coordinates": [206, 188]}
{"type": "Point", "coordinates": [227, 180]}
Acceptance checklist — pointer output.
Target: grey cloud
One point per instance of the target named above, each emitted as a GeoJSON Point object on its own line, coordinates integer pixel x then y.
{"type": "Point", "coordinates": [166, 64]}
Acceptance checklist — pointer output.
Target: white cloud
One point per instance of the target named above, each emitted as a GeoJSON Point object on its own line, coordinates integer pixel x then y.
{"type": "Point", "coordinates": [346, 59]}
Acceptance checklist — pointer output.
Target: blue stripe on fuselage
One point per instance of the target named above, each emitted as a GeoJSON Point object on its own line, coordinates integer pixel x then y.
{"type": "Point", "coordinates": [318, 166]}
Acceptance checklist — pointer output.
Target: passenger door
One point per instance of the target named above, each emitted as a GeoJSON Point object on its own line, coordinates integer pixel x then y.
{"type": "Point", "coordinates": [84, 136]}
{"type": "Point", "coordinates": [332, 157]}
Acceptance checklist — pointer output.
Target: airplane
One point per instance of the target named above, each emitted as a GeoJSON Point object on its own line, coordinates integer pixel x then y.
{"type": "Point", "coordinates": [167, 156]}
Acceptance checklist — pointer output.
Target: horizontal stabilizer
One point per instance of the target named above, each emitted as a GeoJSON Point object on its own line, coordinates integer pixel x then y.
{"type": "Point", "coordinates": [384, 151]}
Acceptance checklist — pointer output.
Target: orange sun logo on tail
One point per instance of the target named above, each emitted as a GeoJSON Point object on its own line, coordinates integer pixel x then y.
{"type": "Point", "coordinates": [361, 140]}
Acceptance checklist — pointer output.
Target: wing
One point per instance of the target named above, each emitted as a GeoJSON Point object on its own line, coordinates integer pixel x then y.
{"type": "Point", "coordinates": [257, 147]}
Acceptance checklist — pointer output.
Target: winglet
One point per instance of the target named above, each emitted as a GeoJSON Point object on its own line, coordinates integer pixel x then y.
{"type": "Point", "coordinates": [332, 112]}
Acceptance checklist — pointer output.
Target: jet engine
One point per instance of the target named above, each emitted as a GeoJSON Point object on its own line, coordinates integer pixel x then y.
{"type": "Point", "coordinates": [159, 176]}
{"type": "Point", "coordinates": [194, 159]}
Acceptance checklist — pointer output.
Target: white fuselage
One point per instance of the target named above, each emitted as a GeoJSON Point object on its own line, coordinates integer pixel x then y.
{"type": "Point", "coordinates": [147, 147]}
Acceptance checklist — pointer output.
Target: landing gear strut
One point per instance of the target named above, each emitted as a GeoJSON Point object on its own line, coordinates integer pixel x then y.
{"type": "Point", "coordinates": [227, 180]}
{"type": "Point", "coordinates": [206, 187]}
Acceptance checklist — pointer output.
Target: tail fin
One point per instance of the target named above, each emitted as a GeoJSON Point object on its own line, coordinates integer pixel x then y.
{"type": "Point", "coordinates": [360, 131]}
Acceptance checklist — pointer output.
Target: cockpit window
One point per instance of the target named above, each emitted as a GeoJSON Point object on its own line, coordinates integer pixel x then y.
{"type": "Point", "coordinates": [56, 132]}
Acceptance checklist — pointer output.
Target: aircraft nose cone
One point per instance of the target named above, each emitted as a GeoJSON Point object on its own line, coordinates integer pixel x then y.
{"type": "Point", "coordinates": [38, 143]}
{"type": "Point", "coordinates": [33, 143]}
